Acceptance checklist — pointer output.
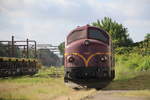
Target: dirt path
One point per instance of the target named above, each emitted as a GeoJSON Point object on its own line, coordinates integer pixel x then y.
{"type": "Point", "coordinates": [112, 95]}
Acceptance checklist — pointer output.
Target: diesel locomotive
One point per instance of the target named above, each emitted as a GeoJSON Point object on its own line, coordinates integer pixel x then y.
{"type": "Point", "coordinates": [89, 58]}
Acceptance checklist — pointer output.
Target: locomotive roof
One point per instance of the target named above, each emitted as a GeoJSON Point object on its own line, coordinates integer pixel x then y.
{"type": "Point", "coordinates": [85, 28]}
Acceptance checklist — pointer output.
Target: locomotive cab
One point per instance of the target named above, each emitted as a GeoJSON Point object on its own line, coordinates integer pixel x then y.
{"type": "Point", "coordinates": [88, 56]}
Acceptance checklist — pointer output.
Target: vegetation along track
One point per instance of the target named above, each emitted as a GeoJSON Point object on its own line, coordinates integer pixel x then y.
{"type": "Point", "coordinates": [43, 86]}
{"type": "Point", "coordinates": [131, 82]}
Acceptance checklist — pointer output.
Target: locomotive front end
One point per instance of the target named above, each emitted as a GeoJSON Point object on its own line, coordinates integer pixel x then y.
{"type": "Point", "coordinates": [87, 55]}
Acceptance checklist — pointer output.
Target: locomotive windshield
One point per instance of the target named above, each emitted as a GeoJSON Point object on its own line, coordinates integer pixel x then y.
{"type": "Point", "coordinates": [98, 35]}
{"type": "Point", "coordinates": [76, 35]}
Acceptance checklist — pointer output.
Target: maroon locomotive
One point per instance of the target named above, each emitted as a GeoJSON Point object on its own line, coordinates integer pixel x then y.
{"type": "Point", "coordinates": [89, 57]}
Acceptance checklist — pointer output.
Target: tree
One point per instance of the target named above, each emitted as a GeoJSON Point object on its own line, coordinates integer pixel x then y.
{"type": "Point", "coordinates": [61, 48]}
{"type": "Point", "coordinates": [118, 32]}
{"type": "Point", "coordinates": [3, 50]}
{"type": "Point", "coordinates": [48, 58]}
{"type": "Point", "coordinates": [147, 37]}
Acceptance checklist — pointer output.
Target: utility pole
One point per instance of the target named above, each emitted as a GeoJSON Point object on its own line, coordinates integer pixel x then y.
{"type": "Point", "coordinates": [12, 47]}
{"type": "Point", "coordinates": [35, 49]}
{"type": "Point", "coordinates": [27, 48]}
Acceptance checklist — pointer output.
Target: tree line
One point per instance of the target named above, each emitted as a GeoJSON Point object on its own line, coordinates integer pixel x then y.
{"type": "Point", "coordinates": [122, 42]}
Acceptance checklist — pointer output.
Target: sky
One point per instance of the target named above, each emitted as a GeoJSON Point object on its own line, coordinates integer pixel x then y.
{"type": "Point", "coordinates": [49, 21]}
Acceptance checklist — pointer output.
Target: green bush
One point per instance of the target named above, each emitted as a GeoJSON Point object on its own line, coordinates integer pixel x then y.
{"type": "Point", "coordinates": [128, 65]}
{"type": "Point", "coordinates": [123, 50]}
{"type": "Point", "coordinates": [145, 65]}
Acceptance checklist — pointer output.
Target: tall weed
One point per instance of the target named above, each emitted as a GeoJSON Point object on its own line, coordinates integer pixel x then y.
{"type": "Point", "coordinates": [127, 66]}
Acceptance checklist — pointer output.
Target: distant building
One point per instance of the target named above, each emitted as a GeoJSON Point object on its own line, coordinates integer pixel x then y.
{"type": "Point", "coordinates": [49, 55]}
{"type": "Point", "coordinates": [52, 48]}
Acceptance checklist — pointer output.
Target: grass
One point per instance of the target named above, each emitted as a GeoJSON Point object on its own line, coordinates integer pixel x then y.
{"type": "Point", "coordinates": [39, 87]}
{"type": "Point", "coordinates": [46, 72]}
{"type": "Point", "coordinates": [132, 73]}
{"type": "Point", "coordinates": [129, 66]}
{"type": "Point", "coordinates": [140, 81]}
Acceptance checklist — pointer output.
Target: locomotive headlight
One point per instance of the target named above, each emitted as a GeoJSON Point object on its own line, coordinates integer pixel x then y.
{"type": "Point", "coordinates": [86, 42]}
{"type": "Point", "coordinates": [70, 59]}
{"type": "Point", "coordinates": [104, 58]}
